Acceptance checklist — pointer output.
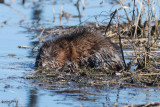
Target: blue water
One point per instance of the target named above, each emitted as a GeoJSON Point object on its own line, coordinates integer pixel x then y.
{"type": "Point", "coordinates": [14, 22]}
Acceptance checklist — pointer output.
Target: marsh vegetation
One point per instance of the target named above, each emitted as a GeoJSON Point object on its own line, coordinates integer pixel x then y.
{"type": "Point", "coordinates": [132, 25]}
{"type": "Point", "coordinates": [136, 32]}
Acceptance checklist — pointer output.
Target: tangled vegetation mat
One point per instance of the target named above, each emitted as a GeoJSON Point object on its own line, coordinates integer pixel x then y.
{"type": "Point", "coordinates": [138, 72]}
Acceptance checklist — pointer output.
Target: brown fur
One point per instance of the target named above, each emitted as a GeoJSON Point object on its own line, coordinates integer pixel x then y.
{"type": "Point", "coordinates": [83, 48]}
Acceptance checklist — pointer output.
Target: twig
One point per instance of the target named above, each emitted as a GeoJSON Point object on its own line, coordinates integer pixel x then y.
{"type": "Point", "coordinates": [121, 3]}
{"type": "Point", "coordinates": [133, 17]}
{"type": "Point", "coordinates": [149, 26]}
{"type": "Point", "coordinates": [120, 41]}
{"type": "Point", "coordinates": [143, 52]}
{"type": "Point", "coordinates": [41, 34]}
{"type": "Point", "coordinates": [83, 4]}
{"type": "Point", "coordinates": [110, 21]}
{"type": "Point", "coordinates": [149, 34]}
{"type": "Point", "coordinates": [79, 13]}
{"type": "Point", "coordinates": [11, 2]}
{"type": "Point", "coordinates": [29, 74]}
{"type": "Point", "coordinates": [60, 16]}
{"type": "Point", "coordinates": [139, 15]}
{"type": "Point", "coordinates": [17, 11]}
{"type": "Point", "coordinates": [26, 47]}
{"type": "Point", "coordinates": [54, 16]}
{"type": "Point", "coordinates": [149, 74]}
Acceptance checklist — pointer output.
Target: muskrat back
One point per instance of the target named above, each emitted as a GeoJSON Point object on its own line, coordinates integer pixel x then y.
{"type": "Point", "coordinates": [83, 48]}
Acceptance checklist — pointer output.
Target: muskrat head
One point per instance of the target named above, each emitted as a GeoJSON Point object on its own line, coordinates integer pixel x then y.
{"type": "Point", "coordinates": [51, 56]}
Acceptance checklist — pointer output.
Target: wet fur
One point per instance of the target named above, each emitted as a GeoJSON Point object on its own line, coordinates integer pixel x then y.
{"type": "Point", "coordinates": [83, 48]}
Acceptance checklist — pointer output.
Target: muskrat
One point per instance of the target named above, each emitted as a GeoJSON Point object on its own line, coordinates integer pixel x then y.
{"type": "Point", "coordinates": [83, 48]}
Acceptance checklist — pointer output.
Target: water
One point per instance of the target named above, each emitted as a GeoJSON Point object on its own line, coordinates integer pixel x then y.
{"type": "Point", "coordinates": [16, 62]}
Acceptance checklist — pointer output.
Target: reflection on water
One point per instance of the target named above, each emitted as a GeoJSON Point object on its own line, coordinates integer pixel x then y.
{"type": "Point", "coordinates": [32, 93]}
{"type": "Point", "coordinates": [78, 9]}
{"type": "Point", "coordinates": [23, 2]}
{"type": "Point", "coordinates": [36, 13]}
{"type": "Point", "coordinates": [1, 1]}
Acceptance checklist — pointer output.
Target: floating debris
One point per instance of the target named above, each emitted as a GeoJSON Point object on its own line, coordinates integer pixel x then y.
{"type": "Point", "coordinates": [153, 104]}
{"type": "Point", "coordinates": [11, 55]}
{"type": "Point", "coordinates": [25, 47]}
